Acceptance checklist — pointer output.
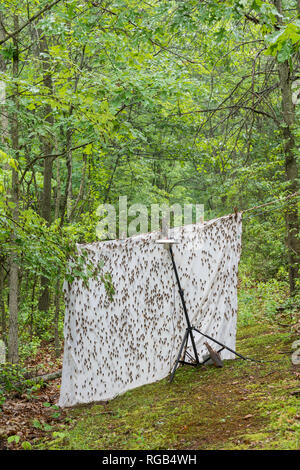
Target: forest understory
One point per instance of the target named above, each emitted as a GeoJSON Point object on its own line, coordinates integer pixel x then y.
{"type": "Point", "coordinates": [244, 405]}
{"type": "Point", "coordinates": [164, 103]}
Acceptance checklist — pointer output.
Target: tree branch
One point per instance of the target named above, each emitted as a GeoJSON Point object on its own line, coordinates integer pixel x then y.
{"type": "Point", "coordinates": [33, 18]}
{"type": "Point", "coordinates": [52, 155]}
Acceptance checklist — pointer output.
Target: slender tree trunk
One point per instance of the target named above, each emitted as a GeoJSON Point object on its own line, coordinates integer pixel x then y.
{"type": "Point", "coordinates": [81, 188]}
{"type": "Point", "coordinates": [67, 203]}
{"type": "Point", "coordinates": [13, 355]}
{"type": "Point", "coordinates": [57, 291]}
{"type": "Point", "coordinates": [32, 307]}
{"type": "Point", "coordinates": [56, 318]}
{"type": "Point", "coordinates": [44, 300]}
{"type": "Point", "coordinates": [47, 143]}
{"type": "Point", "coordinates": [2, 304]}
{"type": "Point", "coordinates": [291, 169]}
{"type": "Point", "coordinates": [58, 189]}
{"type": "Point", "coordinates": [3, 116]}
{"type": "Point", "coordinates": [67, 199]}
{"type": "Point", "coordinates": [291, 174]}
{"type": "Point", "coordinates": [111, 179]}
{"type": "Point", "coordinates": [3, 137]}
{"type": "Point", "coordinates": [69, 192]}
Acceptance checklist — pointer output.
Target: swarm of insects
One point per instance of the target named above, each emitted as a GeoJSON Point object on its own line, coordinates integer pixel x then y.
{"type": "Point", "coordinates": [113, 344]}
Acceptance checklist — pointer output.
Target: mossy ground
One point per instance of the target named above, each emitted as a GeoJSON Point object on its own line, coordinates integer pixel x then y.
{"type": "Point", "coordinates": [244, 405]}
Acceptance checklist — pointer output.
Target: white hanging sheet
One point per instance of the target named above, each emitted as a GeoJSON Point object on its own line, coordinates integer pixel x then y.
{"type": "Point", "coordinates": [115, 345]}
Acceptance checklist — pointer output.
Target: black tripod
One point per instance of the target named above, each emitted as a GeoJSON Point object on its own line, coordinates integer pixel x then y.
{"type": "Point", "coordinates": [189, 333]}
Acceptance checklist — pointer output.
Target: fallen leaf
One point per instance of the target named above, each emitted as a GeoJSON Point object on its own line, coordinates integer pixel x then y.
{"type": "Point", "coordinates": [247, 416]}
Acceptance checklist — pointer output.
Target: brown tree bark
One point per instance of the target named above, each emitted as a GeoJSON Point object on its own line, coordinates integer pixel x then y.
{"type": "Point", "coordinates": [67, 202]}
{"type": "Point", "coordinates": [3, 116]}
{"type": "Point", "coordinates": [13, 354]}
{"type": "Point", "coordinates": [81, 188]}
{"type": "Point", "coordinates": [56, 318]}
{"type": "Point", "coordinates": [3, 136]}
{"type": "Point", "coordinates": [67, 199]}
{"type": "Point", "coordinates": [44, 300]}
{"type": "Point", "coordinates": [58, 189]}
{"type": "Point", "coordinates": [291, 168]}
{"type": "Point", "coordinates": [2, 304]}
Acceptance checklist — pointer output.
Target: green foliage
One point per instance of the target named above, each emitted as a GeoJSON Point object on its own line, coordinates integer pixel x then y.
{"type": "Point", "coordinates": [164, 102]}
{"type": "Point", "coordinates": [30, 347]}
{"type": "Point", "coordinates": [13, 438]}
{"type": "Point", "coordinates": [285, 43]}
{"type": "Point", "coordinates": [261, 299]}
{"type": "Point", "coordinates": [108, 284]}
{"type": "Point", "coordinates": [41, 425]}
{"type": "Point", "coordinates": [12, 377]}
{"type": "Point", "coordinates": [26, 445]}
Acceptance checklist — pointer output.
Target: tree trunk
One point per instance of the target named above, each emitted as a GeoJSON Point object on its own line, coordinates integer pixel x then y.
{"type": "Point", "coordinates": [3, 137]}
{"type": "Point", "coordinates": [3, 116]}
{"type": "Point", "coordinates": [31, 322]}
{"type": "Point", "coordinates": [291, 169]}
{"type": "Point", "coordinates": [44, 300]}
{"type": "Point", "coordinates": [13, 354]}
{"type": "Point", "coordinates": [81, 188]}
{"type": "Point", "coordinates": [56, 319]}
{"type": "Point", "coordinates": [67, 203]}
{"type": "Point", "coordinates": [291, 174]}
{"type": "Point", "coordinates": [58, 189]}
{"type": "Point", "coordinates": [69, 192]}
{"type": "Point", "coordinates": [2, 304]}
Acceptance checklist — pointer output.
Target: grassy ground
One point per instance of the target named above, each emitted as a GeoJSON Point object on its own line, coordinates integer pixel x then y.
{"type": "Point", "coordinates": [244, 405]}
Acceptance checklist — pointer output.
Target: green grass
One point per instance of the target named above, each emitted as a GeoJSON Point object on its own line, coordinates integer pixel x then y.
{"type": "Point", "coordinates": [244, 405]}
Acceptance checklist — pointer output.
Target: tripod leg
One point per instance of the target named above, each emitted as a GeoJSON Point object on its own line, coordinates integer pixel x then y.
{"type": "Point", "coordinates": [194, 347]}
{"type": "Point", "coordinates": [184, 306]}
{"type": "Point", "coordinates": [220, 344]}
{"type": "Point", "coordinates": [184, 342]}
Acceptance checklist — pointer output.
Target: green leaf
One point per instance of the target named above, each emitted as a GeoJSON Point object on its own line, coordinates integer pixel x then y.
{"type": "Point", "coordinates": [36, 423]}
{"type": "Point", "coordinates": [26, 445]}
{"type": "Point", "coordinates": [47, 427]}
{"type": "Point", "coordinates": [285, 52]}
{"type": "Point", "coordinates": [13, 438]}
